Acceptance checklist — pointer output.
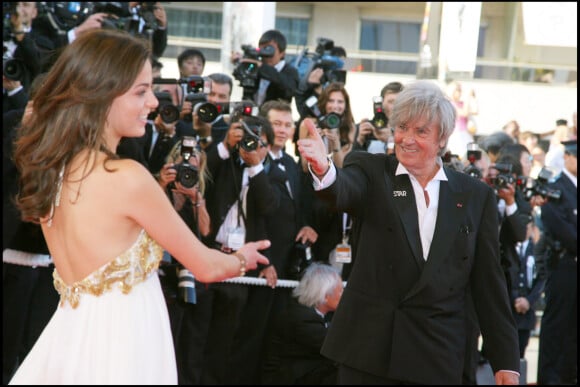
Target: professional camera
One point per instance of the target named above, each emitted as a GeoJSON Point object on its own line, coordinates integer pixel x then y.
{"type": "Point", "coordinates": [123, 19]}
{"type": "Point", "coordinates": [65, 15]}
{"type": "Point", "coordinates": [187, 174]}
{"type": "Point", "coordinates": [380, 119]}
{"type": "Point", "coordinates": [166, 109]}
{"type": "Point", "coordinates": [504, 177]}
{"type": "Point", "coordinates": [251, 140]}
{"type": "Point", "coordinates": [246, 72]}
{"type": "Point", "coordinates": [328, 121]}
{"type": "Point", "coordinates": [321, 58]}
{"type": "Point", "coordinates": [13, 69]}
{"type": "Point", "coordinates": [198, 89]}
{"type": "Point", "coordinates": [539, 186]}
{"type": "Point", "coordinates": [237, 108]}
{"type": "Point", "coordinates": [473, 154]}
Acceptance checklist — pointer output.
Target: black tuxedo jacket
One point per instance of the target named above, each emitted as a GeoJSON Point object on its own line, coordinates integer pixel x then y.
{"type": "Point", "coordinates": [560, 217]}
{"type": "Point", "coordinates": [283, 84]}
{"type": "Point", "coordinates": [293, 352]}
{"type": "Point", "coordinates": [224, 190]}
{"type": "Point", "coordinates": [400, 317]}
{"type": "Point", "coordinates": [284, 224]}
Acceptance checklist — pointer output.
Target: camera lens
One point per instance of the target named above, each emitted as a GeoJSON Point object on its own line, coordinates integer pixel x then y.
{"type": "Point", "coordinates": [169, 113]}
{"type": "Point", "coordinates": [249, 143]}
{"type": "Point", "coordinates": [187, 175]}
{"type": "Point", "coordinates": [207, 112]}
{"type": "Point", "coordinates": [14, 69]}
{"type": "Point", "coordinates": [330, 121]}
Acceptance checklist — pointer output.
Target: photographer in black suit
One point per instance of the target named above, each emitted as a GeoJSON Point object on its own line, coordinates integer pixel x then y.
{"type": "Point", "coordinates": [276, 79]}
{"type": "Point", "coordinates": [238, 198]}
{"type": "Point", "coordinates": [558, 354]}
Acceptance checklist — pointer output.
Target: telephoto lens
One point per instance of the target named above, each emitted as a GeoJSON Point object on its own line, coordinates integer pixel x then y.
{"type": "Point", "coordinates": [186, 285]}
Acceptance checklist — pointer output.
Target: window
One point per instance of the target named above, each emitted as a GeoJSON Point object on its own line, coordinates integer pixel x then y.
{"type": "Point", "coordinates": [295, 30]}
{"type": "Point", "coordinates": [393, 36]}
{"type": "Point", "coordinates": [194, 24]}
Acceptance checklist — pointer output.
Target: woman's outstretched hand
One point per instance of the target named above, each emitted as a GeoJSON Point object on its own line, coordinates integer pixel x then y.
{"type": "Point", "coordinates": [251, 253]}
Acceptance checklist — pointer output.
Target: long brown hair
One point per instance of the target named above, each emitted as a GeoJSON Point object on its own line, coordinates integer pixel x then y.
{"type": "Point", "coordinates": [347, 121]}
{"type": "Point", "coordinates": [70, 110]}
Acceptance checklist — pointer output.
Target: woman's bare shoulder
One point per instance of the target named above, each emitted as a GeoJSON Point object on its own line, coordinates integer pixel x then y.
{"type": "Point", "coordinates": [128, 173]}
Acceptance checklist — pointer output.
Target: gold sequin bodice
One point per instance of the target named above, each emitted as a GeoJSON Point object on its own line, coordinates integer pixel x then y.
{"type": "Point", "coordinates": [125, 271]}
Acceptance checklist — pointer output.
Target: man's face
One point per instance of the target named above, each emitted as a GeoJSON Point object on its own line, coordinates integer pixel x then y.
{"type": "Point", "coordinates": [220, 93]}
{"type": "Point", "coordinates": [276, 58]}
{"type": "Point", "coordinates": [27, 11]}
{"type": "Point", "coordinates": [283, 126]}
{"type": "Point", "coordinates": [191, 66]}
{"type": "Point", "coordinates": [417, 144]}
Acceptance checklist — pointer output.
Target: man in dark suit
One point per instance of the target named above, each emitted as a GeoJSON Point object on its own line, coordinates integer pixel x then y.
{"type": "Point", "coordinates": [426, 235]}
{"type": "Point", "coordinates": [558, 354]}
{"type": "Point", "coordinates": [276, 79]}
{"type": "Point", "coordinates": [293, 355]}
{"type": "Point", "coordinates": [286, 228]}
{"type": "Point", "coordinates": [238, 198]}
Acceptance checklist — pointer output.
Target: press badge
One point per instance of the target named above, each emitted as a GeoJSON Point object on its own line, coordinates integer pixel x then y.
{"type": "Point", "coordinates": [236, 238]}
{"type": "Point", "coordinates": [343, 253]}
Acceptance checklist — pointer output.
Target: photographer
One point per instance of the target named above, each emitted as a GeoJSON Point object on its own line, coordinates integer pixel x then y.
{"type": "Point", "coordinates": [62, 24]}
{"type": "Point", "coordinates": [183, 178]}
{"type": "Point", "coordinates": [558, 355]}
{"type": "Point", "coordinates": [211, 133]}
{"type": "Point", "coordinates": [374, 135]}
{"type": "Point", "coordinates": [239, 197]}
{"type": "Point", "coordinates": [320, 73]}
{"type": "Point", "coordinates": [275, 79]}
{"type": "Point", "coordinates": [21, 58]}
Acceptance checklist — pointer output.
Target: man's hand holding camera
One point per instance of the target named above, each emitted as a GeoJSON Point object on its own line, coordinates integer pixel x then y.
{"type": "Point", "coordinates": [233, 136]}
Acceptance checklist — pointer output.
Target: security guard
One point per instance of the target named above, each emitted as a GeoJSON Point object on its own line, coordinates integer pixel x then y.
{"type": "Point", "coordinates": [557, 362]}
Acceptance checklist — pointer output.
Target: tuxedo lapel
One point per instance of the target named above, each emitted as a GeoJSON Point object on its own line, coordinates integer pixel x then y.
{"type": "Point", "coordinates": [404, 199]}
{"type": "Point", "coordinates": [451, 212]}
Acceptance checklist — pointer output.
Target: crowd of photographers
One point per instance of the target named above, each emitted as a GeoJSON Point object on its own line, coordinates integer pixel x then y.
{"type": "Point", "coordinates": [224, 165]}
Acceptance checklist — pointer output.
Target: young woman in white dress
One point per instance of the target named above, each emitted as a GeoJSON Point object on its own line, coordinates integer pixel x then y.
{"type": "Point", "coordinates": [106, 220]}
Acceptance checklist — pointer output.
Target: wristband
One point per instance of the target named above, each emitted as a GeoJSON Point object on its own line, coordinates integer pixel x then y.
{"type": "Point", "coordinates": [242, 259]}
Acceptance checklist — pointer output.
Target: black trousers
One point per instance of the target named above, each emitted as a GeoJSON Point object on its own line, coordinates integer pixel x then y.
{"type": "Point", "coordinates": [29, 301]}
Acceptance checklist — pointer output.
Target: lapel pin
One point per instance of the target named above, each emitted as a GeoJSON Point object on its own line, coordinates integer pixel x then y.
{"type": "Point", "coordinates": [399, 193]}
{"type": "Point", "coordinates": [459, 205]}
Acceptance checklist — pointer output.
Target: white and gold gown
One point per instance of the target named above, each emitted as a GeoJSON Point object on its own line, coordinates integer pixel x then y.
{"type": "Point", "coordinates": [110, 328]}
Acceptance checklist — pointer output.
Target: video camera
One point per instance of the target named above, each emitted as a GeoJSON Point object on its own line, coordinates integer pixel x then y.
{"type": "Point", "coordinates": [329, 121]}
{"type": "Point", "coordinates": [246, 72]}
{"type": "Point", "coordinates": [321, 58]}
{"type": "Point", "coordinates": [187, 174]}
{"type": "Point", "coordinates": [473, 154]}
{"type": "Point", "coordinates": [67, 15]}
{"type": "Point", "coordinates": [539, 186]}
